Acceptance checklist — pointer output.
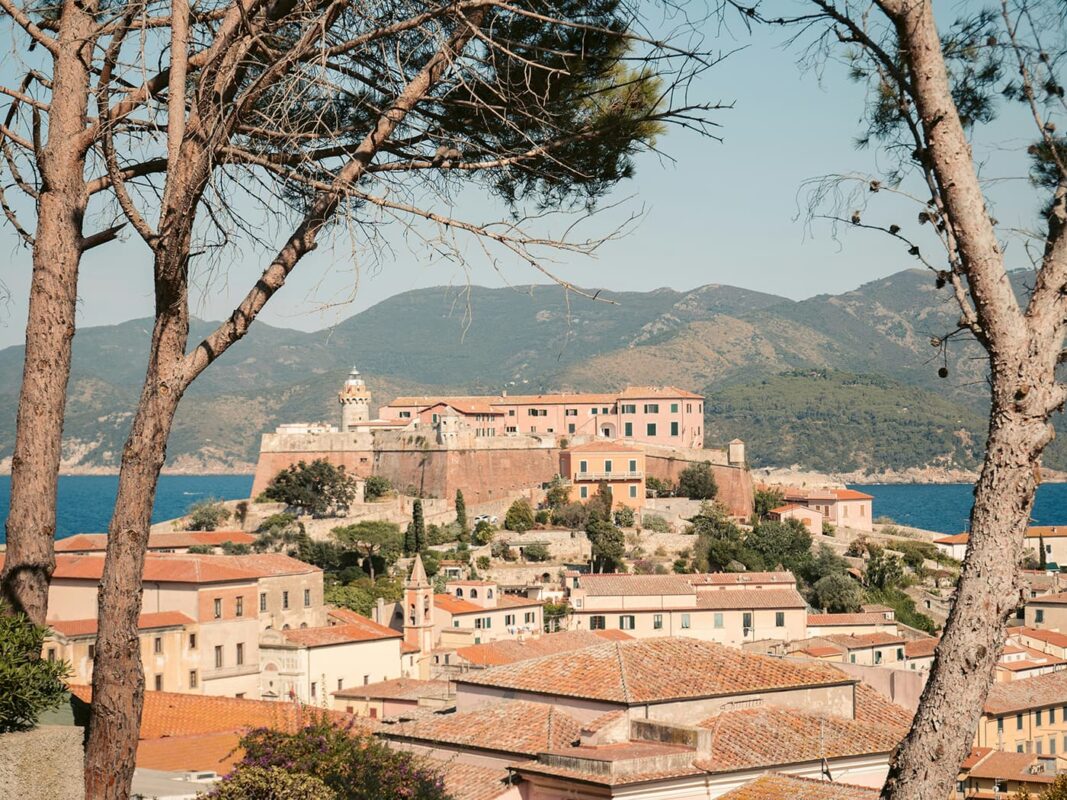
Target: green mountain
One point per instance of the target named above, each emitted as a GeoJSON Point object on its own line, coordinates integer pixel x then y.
{"type": "Point", "coordinates": [775, 371]}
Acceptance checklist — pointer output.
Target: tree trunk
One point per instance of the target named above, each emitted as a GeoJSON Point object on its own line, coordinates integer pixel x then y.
{"type": "Point", "coordinates": [31, 522]}
{"type": "Point", "coordinates": [927, 763]}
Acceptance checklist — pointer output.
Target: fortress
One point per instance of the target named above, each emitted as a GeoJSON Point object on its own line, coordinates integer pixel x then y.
{"type": "Point", "coordinates": [491, 447]}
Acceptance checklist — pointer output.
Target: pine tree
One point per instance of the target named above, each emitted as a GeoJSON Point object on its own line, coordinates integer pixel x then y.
{"type": "Point", "coordinates": [418, 525]}
{"type": "Point", "coordinates": [1042, 561]}
{"type": "Point", "coordinates": [461, 512]}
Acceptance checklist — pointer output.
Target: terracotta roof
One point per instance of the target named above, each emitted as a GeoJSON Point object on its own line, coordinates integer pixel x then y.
{"type": "Point", "coordinates": [471, 781]}
{"type": "Point", "coordinates": [454, 605]}
{"type": "Point", "coordinates": [739, 578]}
{"type": "Point", "coordinates": [976, 755]}
{"type": "Point", "coordinates": [873, 706]}
{"type": "Point", "coordinates": [1056, 599]}
{"type": "Point", "coordinates": [851, 494]}
{"type": "Point", "coordinates": [1046, 531]}
{"type": "Point", "coordinates": [790, 507]}
{"type": "Point", "coordinates": [601, 446]}
{"type": "Point", "coordinates": [858, 641]}
{"type": "Point", "coordinates": [397, 689]}
{"type": "Point", "coordinates": [215, 752]}
{"type": "Point", "coordinates": [820, 650]}
{"type": "Point", "coordinates": [921, 648]}
{"type": "Point", "coordinates": [781, 787]}
{"type": "Point", "coordinates": [1007, 765]}
{"type": "Point", "coordinates": [185, 568]}
{"type": "Point", "coordinates": [957, 538]}
{"type": "Point", "coordinates": [654, 670]}
{"type": "Point", "coordinates": [759, 738]}
{"type": "Point", "coordinates": [344, 616]}
{"type": "Point", "coordinates": [826, 620]}
{"type": "Point", "coordinates": [1054, 638]}
{"type": "Point", "coordinates": [629, 585]}
{"type": "Point", "coordinates": [98, 541]}
{"type": "Point", "coordinates": [467, 407]}
{"type": "Point", "coordinates": [365, 630]}
{"type": "Point", "coordinates": [516, 601]}
{"type": "Point", "coordinates": [508, 651]}
{"type": "Point", "coordinates": [1036, 692]}
{"type": "Point", "coordinates": [751, 598]}
{"type": "Point", "coordinates": [510, 726]}
{"type": "Point", "coordinates": [87, 627]}
{"type": "Point", "coordinates": [640, 392]}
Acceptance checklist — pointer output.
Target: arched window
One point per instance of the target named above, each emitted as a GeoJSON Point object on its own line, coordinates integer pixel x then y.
{"type": "Point", "coordinates": [285, 627]}
{"type": "Point", "coordinates": [459, 591]}
{"type": "Point", "coordinates": [303, 624]}
{"type": "Point", "coordinates": [412, 612]}
{"type": "Point", "coordinates": [474, 593]}
{"type": "Point", "coordinates": [426, 605]}
{"type": "Point", "coordinates": [489, 594]}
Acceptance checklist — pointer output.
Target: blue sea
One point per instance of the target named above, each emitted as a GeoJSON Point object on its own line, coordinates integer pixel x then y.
{"type": "Point", "coordinates": [85, 501]}
{"type": "Point", "coordinates": [946, 507]}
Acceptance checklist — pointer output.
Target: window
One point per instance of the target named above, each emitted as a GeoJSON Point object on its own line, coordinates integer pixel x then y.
{"type": "Point", "coordinates": [240, 653]}
{"type": "Point", "coordinates": [570, 428]}
{"type": "Point", "coordinates": [626, 622]}
{"type": "Point", "coordinates": [852, 658]}
{"type": "Point", "coordinates": [158, 683]}
{"type": "Point", "coordinates": [628, 408]}
{"type": "Point", "coordinates": [262, 601]}
{"type": "Point", "coordinates": [1040, 745]}
{"type": "Point", "coordinates": [633, 465]}
{"type": "Point", "coordinates": [340, 684]}
{"type": "Point", "coordinates": [651, 408]}
{"type": "Point", "coordinates": [877, 656]}
{"type": "Point", "coordinates": [633, 490]}
{"type": "Point", "coordinates": [192, 641]}
{"type": "Point", "coordinates": [285, 599]}
{"type": "Point", "coordinates": [1052, 745]}
{"type": "Point", "coordinates": [718, 619]}
{"type": "Point", "coordinates": [571, 412]}
{"type": "Point", "coordinates": [593, 411]}
{"type": "Point", "coordinates": [509, 619]}
{"type": "Point", "coordinates": [405, 415]}
{"type": "Point", "coordinates": [218, 608]}
{"type": "Point", "coordinates": [530, 616]}
{"type": "Point", "coordinates": [583, 492]}
{"type": "Point", "coordinates": [92, 652]}
{"type": "Point", "coordinates": [674, 408]}
{"type": "Point", "coordinates": [685, 621]}
{"type": "Point", "coordinates": [307, 598]}
{"type": "Point", "coordinates": [1018, 722]}
{"type": "Point", "coordinates": [1048, 549]}
{"type": "Point", "coordinates": [314, 689]}
{"type": "Point", "coordinates": [1052, 716]}
{"type": "Point", "coordinates": [459, 591]}
{"type": "Point", "coordinates": [239, 607]}
{"type": "Point", "coordinates": [628, 429]}
{"type": "Point", "coordinates": [900, 654]}
{"type": "Point", "coordinates": [218, 656]}
{"type": "Point", "coordinates": [657, 622]}
{"type": "Point", "coordinates": [1000, 724]}
{"type": "Point", "coordinates": [674, 429]}
{"type": "Point", "coordinates": [1019, 747]}
{"type": "Point", "coordinates": [1039, 615]}
{"type": "Point", "coordinates": [746, 621]}
{"type": "Point", "coordinates": [583, 466]}
{"type": "Point", "coordinates": [650, 429]}
{"type": "Point", "coordinates": [192, 679]}
{"type": "Point", "coordinates": [607, 465]}
{"type": "Point", "coordinates": [474, 593]}
{"type": "Point", "coordinates": [596, 622]}
{"type": "Point", "coordinates": [157, 645]}
{"type": "Point", "coordinates": [1038, 718]}
{"type": "Point", "coordinates": [779, 619]}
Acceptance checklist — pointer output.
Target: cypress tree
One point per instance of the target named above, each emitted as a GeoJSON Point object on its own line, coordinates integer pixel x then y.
{"type": "Point", "coordinates": [461, 512]}
{"type": "Point", "coordinates": [419, 527]}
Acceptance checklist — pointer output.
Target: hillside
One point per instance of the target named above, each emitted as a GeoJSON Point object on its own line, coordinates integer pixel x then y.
{"type": "Point", "coordinates": [768, 364]}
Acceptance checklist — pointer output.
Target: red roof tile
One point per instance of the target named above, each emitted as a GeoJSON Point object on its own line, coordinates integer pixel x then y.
{"type": "Point", "coordinates": [873, 706]}
{"type": "Point", "coordinates": [607, 585]}
{"type": "Point", "coordinates": [365, 630]}
{"type": "Point", "coordinates": [509, 726]}
{"type": "Point", "coordinates": [827, 620]}
{"type": "Point", "coordinates": [87, 627]}
{"type": "Point", "coordinates": [97, 542]}
{"type": "Point", "coordinates": [455, 605]}
{"type": "Point", "coordinates": [654, 670]}
{"type": "Point", "coordinates": [921, 648]}
{"type": "Point", "coordinates": [471, 781]}
{"type": "Point", "coordinates": [1035, 692]}
{"type": "Point", "coordinates": [508, 651]}
{"type": "Point", "coordinates": [600, 446]}
{"type": "Point", "coordinates": [858, 641]}
{"type": "Point", "coordinates": [851, 494]}
{"type": "Point", "coordinates": [185, 568]}
{"type": "Point", "coordinates": [1007, 765]}
{"type": "Point", "coordinates": [740, 578]}
{"type": "Point", "coordinates": [397, 689]}
{"type": "Point", "coordinates": [781, 787]}
{"type": "Point", "coordinates": [751, 598]}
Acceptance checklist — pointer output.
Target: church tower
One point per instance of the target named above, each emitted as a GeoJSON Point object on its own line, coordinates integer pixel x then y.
{"type": "Point", "coordinates": [418, 615]}
{"type": "Point", "coordinates": [354, 398]}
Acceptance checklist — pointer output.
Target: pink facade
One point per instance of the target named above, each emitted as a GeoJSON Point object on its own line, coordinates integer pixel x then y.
{"type": "Point", "coordinates": [664, 416]}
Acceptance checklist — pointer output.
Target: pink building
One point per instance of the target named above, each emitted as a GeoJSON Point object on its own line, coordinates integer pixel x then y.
{"type": "Point", "coordinates": [622, 468]}
{"type": "Point", "coordinates": [842, 508]}
{"type": "Point", "coordinates": [665, 416]}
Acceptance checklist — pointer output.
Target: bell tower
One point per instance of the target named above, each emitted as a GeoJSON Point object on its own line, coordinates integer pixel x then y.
{"type": "Point", "coordinates": [418, 615]}
{"type": "Point", "coordinates": [354, 398]}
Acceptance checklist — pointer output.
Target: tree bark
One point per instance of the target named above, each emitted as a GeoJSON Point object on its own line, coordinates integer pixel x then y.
{"type": "Point", "coordinates": [62, 199]}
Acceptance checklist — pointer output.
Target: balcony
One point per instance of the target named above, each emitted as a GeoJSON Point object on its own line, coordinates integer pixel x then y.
{"type": "Point", "coordinates": [608, 476]}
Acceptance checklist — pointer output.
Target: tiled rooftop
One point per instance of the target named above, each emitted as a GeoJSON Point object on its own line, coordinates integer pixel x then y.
{"type": "Point", "coordinates": [603, 447]}
{"type": "Point", "coordinates": [1005, 765]}
{"type": "Point", "coordinates": [1035, 692]}
{"type": "Point", "coordinates": [655, 670]}
{"type": "Point", "coordinates": [869, 618]}
{"type": "Point", "coordinates": [455, 605]}
{"type": "Point", "coordinates": [471, 781]}
{"type": "Point", "coordinates": [1054, 598]}
{"type": "Point", "coordinates": [87, 627]}
{"type": "Point", "coordinates": [760, 738]}
{"type": "Point", "coordinates": [740, 578]}
{"type": "Point", "coordinates": [156, 541]}
{"type": "Point", "coordinates": [614, 585]}
{"type": "Point", "coordinates": [396, 689]}
{"type": "Point", "coordinates": [509, 726]}
{"type": "Point", "coordinates": [921, 648]}
{"type": "Point", "coordinates": [173, 568]}
{"type": "Point", "coordinates": [859, 641]}
{"type": "Point", "coordinates": [874, 707]}
{"type": "Point", "coordinates": [1054, 638]}
{"type": "Point", "coordinates": [789, 787]}
{"type": "Point", "coordinates": [365, 630]}
{"type": "Point", "coordinates": [508, 651]}
{"type": "Point", "coordinates": [750, 598]}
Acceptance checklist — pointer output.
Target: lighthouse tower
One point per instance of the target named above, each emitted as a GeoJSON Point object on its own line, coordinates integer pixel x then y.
{"type": "Point", "coordinates": [354, 398]}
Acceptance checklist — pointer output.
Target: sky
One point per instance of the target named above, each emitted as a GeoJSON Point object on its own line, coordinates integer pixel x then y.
{"type": "Point", "coordinates": [724, 212]}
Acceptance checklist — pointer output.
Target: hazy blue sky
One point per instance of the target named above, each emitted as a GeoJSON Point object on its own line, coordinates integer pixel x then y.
{"type": "Point", "coordinates": [719, 213]}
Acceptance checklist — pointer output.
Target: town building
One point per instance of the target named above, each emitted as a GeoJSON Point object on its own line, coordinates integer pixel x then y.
{"type": "Point", "coordinates": [1026, 716]}
{"type": "Point", "coordinates": [859, 623]}
{"type": "Point", "coordinates": [866, 649]}
{"type": "Point", "coordinates": [730, 608]}
{"type": "Point", "coordinates": [1046, 612]}
{"type": "Point", "coordinates": [617, 466]}
{"type": "Point", "coordinates": [810, 518]}
{"type": "Point", "coordinates": [171, 542]}
{"type": "Point", "coordinates": [398, 698]}
{"type": "Point", "coordinates": [229, 601]}
{"type": "Point", "coordinates": [508, 651]}
{"type": "Point", "coordinates": [842, 508]}
{"type": "Point", "coordinates": [994, 773]}
{"type": "Point", "coordinates": [310, 664]}
{"type": "Point", "coordinates": [954, 546]}
{"type": "Point", "coordinates": [1050, 539]}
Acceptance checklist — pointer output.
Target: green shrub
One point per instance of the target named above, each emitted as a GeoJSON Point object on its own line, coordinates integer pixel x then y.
{"type": "Point", "coordinates": [269, 783]}
{"type": "Point", "coordinates": [318, 488]}
{"type": "Point", "coordinates": [520, 516]}
{"type": "Point", "coordinates": [206, 515]}
{"type": "Point", "coordinates": [29, 684]}
{"type": "Point", "coordinates": [376, 486]}
{"type": "Point", "coordinates": [624, 516]}
{"type": "Point", "coordinates": [483, 533]}
{"type": "Point", "coordinates": [697, 482]}
{"type": "Point", "coordinates": [484, 562]}
{"type": "Point", "coordinates": [536, 552]}
{"type": "Point", "coordinates": [655, 523]}
{"type": "Point", "coordinates": [543, 516]}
